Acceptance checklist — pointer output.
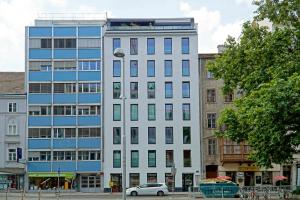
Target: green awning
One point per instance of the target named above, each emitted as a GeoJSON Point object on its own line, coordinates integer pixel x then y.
{"type": "Point", "coordinates": [69, 175]}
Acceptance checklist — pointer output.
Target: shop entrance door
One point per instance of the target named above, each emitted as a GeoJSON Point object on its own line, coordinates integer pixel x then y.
{"type": "Point", "coordinates": [249, 178]}
{"type": "Point", "coordinates": [90, 183]}
{"type": "Point", "coordinates": [187, 181]}
{"type": "Point", "coordinates": [117, 182]}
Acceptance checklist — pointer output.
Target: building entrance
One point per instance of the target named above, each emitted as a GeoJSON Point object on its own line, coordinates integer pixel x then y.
{"type": "Point", "coordinates": [117, 182]}
{"type": "Point", "coordinates": [249, 178]}
{"type": "Point", "coordinates": [187, 181]}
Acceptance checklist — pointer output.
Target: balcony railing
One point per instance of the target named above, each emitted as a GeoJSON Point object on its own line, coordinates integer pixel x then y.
{"type": "Point", "coordinates": [149, 28]}
{"type": "Point", "coordinates": [234, 152]}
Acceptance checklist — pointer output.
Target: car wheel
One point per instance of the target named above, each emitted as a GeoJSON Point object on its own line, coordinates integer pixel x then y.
{"type": "Point", "coordinates": [160, 193]}
{"type": "Point", "coordinates": [134, 193]}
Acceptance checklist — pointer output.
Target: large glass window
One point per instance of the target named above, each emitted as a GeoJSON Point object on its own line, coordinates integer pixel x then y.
{"type": "Point", "coordinates": [186, 135]}
{"type": "Point", "coordinates": [46, 43]}
{"type": "Point", "coordinates": [168, 45]}
{"type": "Point", "coordinates": [151, 90]}
{"type": "Point", "coordinates": [187, 160]}
{"type": "Point", "coordinates": [134, 68]}
{"type": "Point", "coordinates": [64, 110]}
{"type": "Point", "coordinates": [150, 68]}
{"type": "Point", "coordinates": [168, 90]}
{"type": "Point", "coordinates": [116, 43]}
{"type": "Point", "coordinates": [116, 112]}
{"type": "Point", "coordinates": [134, 90]}
{"type": "Point", "coordinates": [186, 111]}
{"type": "Point", "coordinates": [151, 158]}
{"type": "Point", "coordinates": [65, 87]}
{"type": "Point", "coordinates": [169, 135]}
{"type": "Point", "coordinates": [64, 43]}
{"type": "Point", "coordinates": [116, 68]}
{"type": "Point", "coordinates": [151, 112]}
{"type": "Point", "coordinates": [186, 89]}
{"type": "Point", "coordinates": [211, 120]}
{"type": "Point", "coordinates": [168, 68]}
{"type": "Point", "coordinates": [185, 45]}
{"type": "Point", "coordinates": [134, 158]}
{"type": "Point", "coordinates": [116, 159]}
{"type": "Point", "coordinates": [117, 135]}
{"type": "Point", "coordinates": [89, 132]}
{"type": "Point", "coordinates": [63, 133]}
{"type": "Point", "coordinates": [88, 87]}
{"type": "Point", "coordinates": [89, 65]}
{"type": "Point", "coordinates": [169, 111]}
{"type": "Point", "coordinates": [150, 46]}
{"type": "Point", "coordinates": [185, 68]}
{"type": "Point", "coordinates": [39, 133]}
{"type": "Point", "coordinates": [169, 158]}
{"type": "Point", "coordinates": [39, 110]}
{"type": "Point", "coordinates": [116, 90]}
{"type": "Point", "coordinates": [134, 112]}
{"type": "Point", "coordinates": [151, 177]}
{"type": "Point", "coordinates": [133, 46]}
{"type": "Point", "coordinates": [267, 178]}
{"type": "Point", "coordinates": [151, 135]}
{"type": "Point", "coordinates": [40, 88]}
{"type": "Point", "coordinates": [134, 133]}
{"type": "Point", "coordinates": [134, 179]}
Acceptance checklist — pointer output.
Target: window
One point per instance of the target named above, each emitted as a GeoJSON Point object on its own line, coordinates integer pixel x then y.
{"type": "Point", "coordinates": [116, 159]}
{"type": "Point", "coordinates": [64, 87]}
{"type": "Point", "coordinates": [12, 107]}
{"type": "Point", "coordinates": [89, 65]}
{"type": "Point", "coordinates": [150, 68]}
{"type": "Point", "coordinates": [169, 158]}
{"type": "Point", "coordinates": [12, 128]}
{"type": "Point", "coordinates": [185, 45]}
{"type": "Point", "coordinates": [134, 135]}
{"type": "Point", "coordinates": [211, 120]}
{"type": "Point", "coordinates": [151, 158]}
{"type": "Point", "coordinates": [12, 154]}
{"type": "Point", "coordinates": [88, 87]}
{"type": "Point", "coordinates": [134, 90]}
{"type": "Point", "coordinates": [39, 133]}
{"type": "Point", "coordinates": [168, 90]}
{"type": "Point", "coordinates": [150, 46]}
{"type": "Point", "coordinates": [117, 135]}
{"type": "Point", "coordinates": [186, 111]}
{"type": "Point", "coordinates": [133, 46]}
{"type": "Point", "coordinates": [151, 112]}
{"type": "Point", "coordinates": [40, 66]}
{"type": "Point", "coordinates": [211, 95]}
{"type": "Point", "coordinates": [37, 156]}
{"type": "Point", "coordinates": [64, 110]}
{"type": "Point", "coordinates": [185, 68]}
{"type": "Point", "coordinates": [89, 132]}
{"type": "Point", "coordinates": [116, 68]}
{"type": "Point", "coordinates": [168, 45]}
{"type": "Point", "coordinates": [89, 155]}
{"type": "Point", "coordinates": [39, 110]}
{"type": "Point", "coordinates": [64, 133]}
{"type": "Point", "coordinates": [116, 43]}
{"type": "Point", "coordinates": [228, 97]}
{"type": "Point", "coordinates": [186, 89]}
{"type": "Point", "coordinates": [64, 155]}
{"type": "Point", "coordinates": [116, 112]}
{"type": "Point", "coordinates": [209, 75]}
{"type": "Point", "coordinates": [267, 178]}
{"type": "Point", "coordinates": [212, 146]}
{"type": "Point", "coordinates": [134, 179]}
{"type": "Point", "coordinates": [186, 135]}
{"type": "Point", "coordinates": [169, 111]}
{"type": "Point", "coordinates": [89, 110]}
{"type": "Point", "coordinates": [134, 68]}
{"type": "Point", "coordinates": [151, 135]}
{"type": "Point", "coordinates": [134, 112]}
{"type": "Point", "coordinates": [64, 43]}
{"type": "Point", "coordinates": [134, 158]}
{"type": "Point", "coordinates": [169, 135]}
{"type": "Point", "coordinates": [168, 68]}
{"type": "Point", "coordinates": [116, 90]}
{"type": "Point", "coordinates": [151, 90]}
{"type": "Point", "coordinates": [40, 87]}
{"type": "Point", "coordinates": [152, 178]}
{"type": "Point", "coordinates": [187, 161]}
{"type": "Point", "coordinates": [46, 43]}
{"type": "Point", "coordinates": [64, 65]}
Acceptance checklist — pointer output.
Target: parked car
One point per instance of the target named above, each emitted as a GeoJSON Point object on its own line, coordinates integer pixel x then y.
{"type": "Point", "coordinates": [159, 189]}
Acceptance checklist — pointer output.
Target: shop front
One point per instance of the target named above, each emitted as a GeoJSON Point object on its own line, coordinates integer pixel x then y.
{"type": "Point", "coordinates": [52, 181]}
{"type": "Point", "coordinates": [11, 181]}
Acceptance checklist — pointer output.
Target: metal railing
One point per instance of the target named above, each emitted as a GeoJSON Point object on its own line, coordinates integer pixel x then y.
{"type": "Point", "coordinates": [266, 192]}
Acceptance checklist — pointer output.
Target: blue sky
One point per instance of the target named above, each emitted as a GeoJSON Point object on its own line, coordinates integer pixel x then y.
{"type": "Point", "coordinates": [216, 19]}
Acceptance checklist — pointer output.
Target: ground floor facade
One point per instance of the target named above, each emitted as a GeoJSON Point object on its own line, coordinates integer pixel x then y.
{"type": "Point", "coordinates": [11, 181]}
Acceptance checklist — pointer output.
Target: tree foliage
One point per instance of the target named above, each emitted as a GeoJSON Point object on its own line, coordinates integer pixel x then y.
{"type": "Point", "coordinates": [264, 66]}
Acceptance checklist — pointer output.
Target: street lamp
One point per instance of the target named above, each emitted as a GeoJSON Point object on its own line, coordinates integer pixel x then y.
{"type": "Point", "coordinates": [118, 52]}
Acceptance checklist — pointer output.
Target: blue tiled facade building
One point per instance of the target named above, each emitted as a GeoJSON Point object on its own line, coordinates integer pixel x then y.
{"type": "Point", "coordinates": [63, 81]}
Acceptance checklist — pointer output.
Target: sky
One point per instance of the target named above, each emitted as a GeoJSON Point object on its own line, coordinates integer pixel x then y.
{"type": "Point", "coordinates": [216, 19]}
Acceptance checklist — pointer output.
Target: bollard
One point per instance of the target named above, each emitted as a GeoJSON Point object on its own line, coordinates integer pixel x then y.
{"type": "Point", "coordinates": [39, 197]}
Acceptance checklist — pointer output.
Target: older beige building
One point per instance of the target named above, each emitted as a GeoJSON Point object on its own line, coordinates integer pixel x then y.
{"type": "Point", "coordinates": [222, 157]}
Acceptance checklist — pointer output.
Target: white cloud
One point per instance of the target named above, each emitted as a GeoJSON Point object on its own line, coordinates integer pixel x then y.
{"type": "Point", "coordinates": [211, 31]}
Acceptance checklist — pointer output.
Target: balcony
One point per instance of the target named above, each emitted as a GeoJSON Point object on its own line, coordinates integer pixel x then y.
{"type": "Point", "coordinates": [233, 152]}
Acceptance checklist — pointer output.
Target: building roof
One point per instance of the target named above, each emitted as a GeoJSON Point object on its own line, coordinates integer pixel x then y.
{"type": "Point", "coordinates": [12, 82]}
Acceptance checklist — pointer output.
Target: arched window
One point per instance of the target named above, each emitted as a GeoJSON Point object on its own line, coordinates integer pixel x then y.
{"type": "Point", "coordinates": [12, 127]}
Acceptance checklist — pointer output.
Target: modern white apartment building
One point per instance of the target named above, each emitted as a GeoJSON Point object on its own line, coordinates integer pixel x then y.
{"type": "Point", "coordinates": [12, 129]}
{"type": "Point", "coordinates": [162, 102]}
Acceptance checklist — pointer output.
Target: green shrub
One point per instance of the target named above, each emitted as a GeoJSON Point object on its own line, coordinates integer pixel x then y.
{"type": "Point", "coordinates": [297, 191]}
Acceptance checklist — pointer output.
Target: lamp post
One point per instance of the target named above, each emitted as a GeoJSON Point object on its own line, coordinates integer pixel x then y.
{"type": "Point", "coordinates": [118, 52]}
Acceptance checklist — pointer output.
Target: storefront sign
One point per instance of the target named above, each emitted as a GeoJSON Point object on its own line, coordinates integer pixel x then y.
{"type": "Point", "coordinates": [248, 169]}
{"type": "Point", "coordinates": [53, 174]}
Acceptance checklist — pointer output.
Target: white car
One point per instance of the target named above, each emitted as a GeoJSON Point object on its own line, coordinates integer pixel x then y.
{"type": "Point", "coordinates": [159, 189]}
